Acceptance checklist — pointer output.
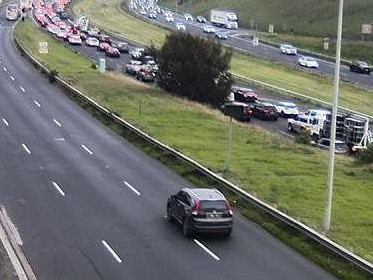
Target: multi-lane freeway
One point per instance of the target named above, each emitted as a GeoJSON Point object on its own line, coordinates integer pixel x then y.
{"type": "Point", "coordinates": [88, 205]}
{"type": "Point", "coordinates": [240, 39]}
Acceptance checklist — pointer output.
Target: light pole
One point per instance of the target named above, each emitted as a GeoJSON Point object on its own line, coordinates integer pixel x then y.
{"type": "Point", "coordinates": [329, 193]}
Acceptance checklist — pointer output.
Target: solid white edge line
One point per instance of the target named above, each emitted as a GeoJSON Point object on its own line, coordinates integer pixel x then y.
{"type": "Point", "coordinates": [57, 187]}
{"type": "Point", "coordinates": [56, 122]}
{"type": "Point", "coordinates": [87, 150]}
{"type": "Point", "coordinates": [5, 122]}
{"type": "Point", "coordinates": [207, 250]}
{"type": "Point", "coordinates": [132, 188]}
{"type": "Point", "coordinates": [22, 89]}
{"type": "Point", "coordinates": [26, 148]}
{"type": "Point", "coordinates": [111, 251]}
{"type": "Point", "coordinates": [37, 103]}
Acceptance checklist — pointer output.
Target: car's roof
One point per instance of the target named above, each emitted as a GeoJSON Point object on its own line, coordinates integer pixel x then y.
{"type": "Point", "coordinates": [287, 45]}
{"type": "Point", "coordinates": [287, 103]}
{"type": "Point", "coordinates": [205, 193]}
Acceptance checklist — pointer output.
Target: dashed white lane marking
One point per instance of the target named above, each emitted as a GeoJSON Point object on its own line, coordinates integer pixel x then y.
{"type": "Point", "coordinates": [132, 188]}
{"type": "Point", "coordinates": [59, 139]}
{"type": "Point", "coordinates": [57, 122]}
{"type": "Point", "coordinates": [37, 103]}
{"type": "Point", "coordinates": [5, 122]}
{"type": "Point", "coordinates": [111, 251]}
{"type": "Point", "coordinates": [87, 150]}
{"type": "Point", "coordinates": [26, 148]}
{"type": "Point", "coordinates": [12, 78]}
{"type": "Point", "coordinates": [22, 89]}
{"type": "Point", "coordinates": [58, 188]}
{"type": "Point", "coordinates": [207, 250]}
{"type": "Point", "coordinates": [4, 68]}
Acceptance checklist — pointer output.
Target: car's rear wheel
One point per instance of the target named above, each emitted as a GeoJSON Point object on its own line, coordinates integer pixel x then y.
{"type": "Point", "coordinates": [186, 229]}
{"type": "Point", "coordinates": [170, 218]}
{"type": "Point", "coordinates": [290, 127]}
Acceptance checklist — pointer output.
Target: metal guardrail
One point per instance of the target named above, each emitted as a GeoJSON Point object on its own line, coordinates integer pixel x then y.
{"type": "Point", "coordinates": [321, 239]}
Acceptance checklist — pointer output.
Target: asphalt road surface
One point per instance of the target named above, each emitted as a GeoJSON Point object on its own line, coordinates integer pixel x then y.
{"type": "Point", "coordinates": [88, 205]}
{"type": "Point", "coordinates": [240, 39]}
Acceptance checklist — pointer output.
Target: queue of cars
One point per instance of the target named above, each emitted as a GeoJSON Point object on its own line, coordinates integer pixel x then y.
{"type": "Point", "coordinates": [243, 104]}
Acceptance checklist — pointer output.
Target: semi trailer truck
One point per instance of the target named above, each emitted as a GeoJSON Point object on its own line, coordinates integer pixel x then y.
{"type": "Point", "coordinates": [224, 18]}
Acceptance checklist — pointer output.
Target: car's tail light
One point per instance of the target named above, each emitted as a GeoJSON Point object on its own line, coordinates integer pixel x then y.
{"type": "Point", "coordinates": [196, 207]}
{"type": "Point", "coordinates": [266, 112]}
{"type": "Point", "coordinates": [229, 207]}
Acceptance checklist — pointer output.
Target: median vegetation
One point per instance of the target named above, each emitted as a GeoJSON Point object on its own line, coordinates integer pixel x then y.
{"type": "Point", "coordinates": [290, 176]}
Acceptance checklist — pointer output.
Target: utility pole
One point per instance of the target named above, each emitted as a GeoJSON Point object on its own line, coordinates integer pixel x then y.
{"type": "Point", "coordinates": [329, 193]}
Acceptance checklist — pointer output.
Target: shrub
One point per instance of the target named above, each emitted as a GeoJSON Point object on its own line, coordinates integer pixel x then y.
{"type": "Point", "coordinates": [366, 155]}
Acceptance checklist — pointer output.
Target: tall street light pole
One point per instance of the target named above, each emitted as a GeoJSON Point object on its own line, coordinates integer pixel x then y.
{"type": "Point", "coordinates": [329, 194]}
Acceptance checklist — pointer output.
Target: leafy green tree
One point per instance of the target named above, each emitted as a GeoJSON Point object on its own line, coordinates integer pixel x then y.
{"type": "Point", "coordinates": [194, 68]}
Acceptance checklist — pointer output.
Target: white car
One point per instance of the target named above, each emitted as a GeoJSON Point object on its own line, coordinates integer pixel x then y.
{"type": "Point", "coordinates": [288, 49]}
{"type": "Point", "coordinates": [75, 40]}
{"type": "Point", "coordinates": [201, 19]}
{"type": "Point", "coordinates": [307, 61]}
{"type": "Point", "coordinates": [170, 18]}
{"type": "Point", "coordinates": [136, 53]}
{"type": "Point", "coordinates": [180, 26]}
{"type": "Point", "coordinates": [92, 42]}
{"type": "Point", "coordinates": [188, 17]}
{"type": "Point", "coordinates": [208, 29]}
{"type": "Point", "coordinates": [287, 109]}
{"type": "Point", "coordinates": [93, 31]}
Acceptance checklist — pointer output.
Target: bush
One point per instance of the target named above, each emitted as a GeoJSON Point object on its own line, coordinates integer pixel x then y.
{"type": "Point", "coordinates": [366, 155]}
{"type": "Point", "coordinates": [52, 75]}
{"type": "Point", "coordinates": [304, 137]}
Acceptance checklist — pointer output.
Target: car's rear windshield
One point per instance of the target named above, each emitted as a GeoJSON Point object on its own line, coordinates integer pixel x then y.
{"type": "Point", "coordinates": [210, 205]}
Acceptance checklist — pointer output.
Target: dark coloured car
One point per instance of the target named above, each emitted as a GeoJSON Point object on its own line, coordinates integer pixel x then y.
{"type": "Point", "coordinates": [237, 110]}
{"type": "Point", "coordinates": [145, 74]}
{"type": "Point", "coordinates": [265, 111]}
{"type": "Point", "coordinates": [121, 46]}
{"type": "Point", "coordinates": [360, 67]}
{"type": "Point", "coordinates": [243, 94]}
{"type": "Point", "coordinates": [104, 38]}
{"type": "Point", "coordinates": [200, 211]}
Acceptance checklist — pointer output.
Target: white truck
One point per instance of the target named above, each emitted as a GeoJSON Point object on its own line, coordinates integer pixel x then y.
{"type": "Point", "coordinates": [312, 124]}
{"type": "Point", "coordinates": [224, 18]}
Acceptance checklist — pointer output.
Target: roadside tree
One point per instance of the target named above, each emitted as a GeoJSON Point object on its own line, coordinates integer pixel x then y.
{"type": "Point", "coordinates": [195, 68]}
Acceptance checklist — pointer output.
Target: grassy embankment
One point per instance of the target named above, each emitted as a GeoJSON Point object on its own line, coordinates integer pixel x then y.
{"type": "Point", "coordinates": [303, 23]}
{"type": "Point", "coordinates": [285, 174]}
{"type": "Point", "coordinates": [111, 19]}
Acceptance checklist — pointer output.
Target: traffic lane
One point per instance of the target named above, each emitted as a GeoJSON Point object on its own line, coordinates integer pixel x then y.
{"type": "Point", "coordinates": [86, 251]}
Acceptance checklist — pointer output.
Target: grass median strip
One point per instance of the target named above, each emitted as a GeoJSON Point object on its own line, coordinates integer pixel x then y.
{"type": "Point", "coordinates": [111, 17]}
{"type": "Point", "coordinates": [290, 176]}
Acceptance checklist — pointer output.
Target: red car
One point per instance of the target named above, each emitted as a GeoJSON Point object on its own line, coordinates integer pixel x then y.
{"type": "Point", "coordinates": [102, 47]}
{"type": "Point", "coordinates": [112, 52]}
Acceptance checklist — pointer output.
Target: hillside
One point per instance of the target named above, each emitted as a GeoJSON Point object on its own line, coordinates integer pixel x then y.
{"type": "Point", "coordinates": [317, 18]}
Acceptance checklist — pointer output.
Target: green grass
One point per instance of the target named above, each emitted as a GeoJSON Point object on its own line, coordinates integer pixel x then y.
{"type": "Point", "coordinates": [110, 17]}
{"type": "Point", "coordinates": [290, 176]}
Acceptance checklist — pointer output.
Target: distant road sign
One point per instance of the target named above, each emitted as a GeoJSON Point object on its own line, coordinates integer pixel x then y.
{"type": "Point", "coordinates": [366, 29]}
{"type": "Point", "coordinates": [43, 47]}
